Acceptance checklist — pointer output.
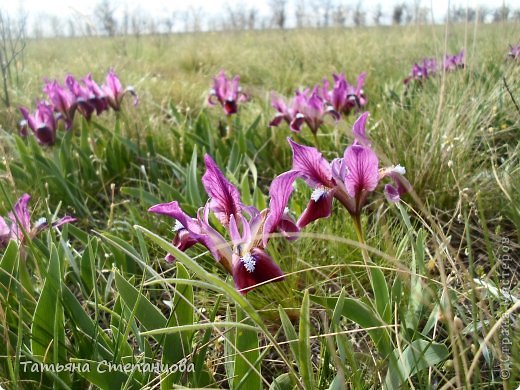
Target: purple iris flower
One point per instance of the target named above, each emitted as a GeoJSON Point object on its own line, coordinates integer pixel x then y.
{"type": "Point", "coordinates": [514, 52]}
{"type": "Point", "coordinates": [343, 96]}
{"type": "Point", "coordinates": [96, 96]}
{"type": "Point", "coordinates": [307, 107]}
{"type": "Point", "coordinates": [427, 68]}
{"type": "Point", "coordinates": [227, 92]}
{"type": "Point", "coordinates": [285, 111]}
{"type": "Point", "coordinates": [83, 97]}
{"type": "Point", "coordinates": [313, 109]}
{"type": "Point", "coordinates": [17, 225]}
{"type": "Point", "coordinates": [42, 123]}
{"type": "Point", "coordinates": [114, 92]}
{"type": "Point", "coordinates": [63, 101]}
{"type": "Point", "coordinates": [249, 230]}
{"type": "Point", "coordinates": [349, 179]}
{"type": "Point", "coordinates": [453, 62]}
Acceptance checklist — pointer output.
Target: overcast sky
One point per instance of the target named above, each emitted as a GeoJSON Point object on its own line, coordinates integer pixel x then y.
{"type": "Point", "coordinates": [214, 8]}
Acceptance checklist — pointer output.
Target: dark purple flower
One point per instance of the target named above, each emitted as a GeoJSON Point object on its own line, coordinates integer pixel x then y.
{"type": "Point", "coordinates": [453, 62]}
{"type": "Point", "coordinates": [307, 107]}
{"type": "Point", "coordinates": [514, 52]}
{"type": "Point", "coordinates": [96, 96]}
{"type": "Point", "coordinates": [82, 97]}
{"type": "Point", "coordinates": [188, 231]}
{"type": "Point", "coordinates": [114, 92]}
{"type": "Point", "coordinates": [23, 128]}
{"type": "Point", "coordinates": [285, 111]}
{"type": "Point", "coordinates": [421, 72]}
{"type": "Point", "coordinates": [227, 92]}
{"type": "Point", "coordinates": [63, 101]}
{"type": "Point", "coordinates": [248, 229]}
{"type": "Point", "coordinates": [349, 179]}
{"type": "Point", "coordinates": [42, 123]}
{"type": "Point", "coordinates": [344, 97]}
{"type": "Point", "coordinates": [17, 225]}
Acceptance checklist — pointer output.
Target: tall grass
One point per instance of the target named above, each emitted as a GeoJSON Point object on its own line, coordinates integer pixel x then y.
{"type": "Point", "coordinates": [433, 307]}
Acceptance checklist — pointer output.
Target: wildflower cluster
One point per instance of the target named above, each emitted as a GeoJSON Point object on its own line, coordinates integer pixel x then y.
{"type": "Point", "coordinates": [63, 101]}
{"type": "Point", "coordinates": [310, 106]}
{"type": "Point", "coordinates": [17, 225]}
{"type": "Point", "coordinates": [349, 179]}
{"type": "Point", "coordinates": [429, 67]}
{"type": "Point", "coordinates": [248, 229]}
{"type": "Point", "coordinates": [241, 250]}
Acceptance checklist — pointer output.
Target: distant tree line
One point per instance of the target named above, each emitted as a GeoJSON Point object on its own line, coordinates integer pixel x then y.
{"type": "Point", "coordinates": [110, 19]}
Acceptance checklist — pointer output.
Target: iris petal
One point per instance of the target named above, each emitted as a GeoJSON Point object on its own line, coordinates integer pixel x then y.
{"type": "Point", "coordinates": [260, 268]}
{"type": "Point", "coordinates": [225, 197]}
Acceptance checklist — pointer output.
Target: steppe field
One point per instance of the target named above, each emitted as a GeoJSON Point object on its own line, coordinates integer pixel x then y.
{"type": "Point", "coordinates": [180, 229]}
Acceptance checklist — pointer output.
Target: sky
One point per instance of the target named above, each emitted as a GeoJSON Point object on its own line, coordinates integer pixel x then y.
{"type": "Point", "coordinates": [66, 9]}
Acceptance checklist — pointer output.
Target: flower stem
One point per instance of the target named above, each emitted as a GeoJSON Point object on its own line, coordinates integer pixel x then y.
{"type": "Point", "coordinates": [361, 239]}
{"type": "Point", "coordinates": [229, 127]}
{"type": "Point", "coordinates": [316, 141]}
{"type": "Point", "coordinates": [364, 251]}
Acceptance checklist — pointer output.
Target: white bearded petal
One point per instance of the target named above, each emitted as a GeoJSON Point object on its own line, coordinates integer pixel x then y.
{"type": "Point", "coordinates": [399, 169]}
{"type": "Point", "coordinates": [249, 262]}
{"type": "Point", "coordinates": [318, 193]}
{"type": "Point", "coordinates": [178, 226]}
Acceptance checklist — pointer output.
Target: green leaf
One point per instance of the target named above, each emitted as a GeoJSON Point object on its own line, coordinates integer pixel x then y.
{"type": "Point", "coordinates": [183, 308]}
{"type": "Point", "coordinates": [290, 333]}
{"type": "Point", "coordinates": [417, 356]}
{"type": "Point", "coordinates": [304, 343]}
{"type": "Point", "coordinates": [246, 340]}
{"type": "Point", "coordinates": [381, 294]}
{"type": "Point", "coordinates": [198, 326]}
{"type": "Point", "coordinates": [8, 266]}
{"type": "Point", "coordinates": [150, 318]}
{"type": "Point", "coordinates": [192, 181]}
{"type": "Point", "coordinates": [47, 331]}
{"type": "Point", "coordinates": [99, 375]}
{"type": "Point", "coordinates": [282, 382]}
{"type": "Point", "coordinates": [96, 336]}
{"type": "Point", "coordinates": [417, 293]}
{"type": "Point", "coordinates": [145, 198]}
{"type": "Point", "coordinates": [362, 315]}
{"type": "Point", "coordinates": [229, 351]}
{"type": "Point", "coordinates": [338, 383]}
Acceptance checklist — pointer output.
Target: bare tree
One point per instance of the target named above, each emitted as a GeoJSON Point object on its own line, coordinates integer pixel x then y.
{"type": "Point", "coordinates": [482, 13]}
{"type": "Point", "coordinates": [126, 22]}
{"type": "Point", "coordinates": [278, 10]}
{"type": "Point", "coordinates": [137, 22]}
{"type": "Point", "coordinates": [378, 14]}
{"type": "Point", "coordinates": [196, 17]}
{"type": "Point", "coordinates": [56, 26]}
{"type": "Point", "coordinates": [398, 13]}
{"type": "Point", "coordinates": [516, 15]}
{"type": "Point", "coordinates": [104, 13]}
{"type": "Point", "coordinates": [326, 10]}
{"type": "Point", "coordinates": [299, 13]}
{"type": "Point", "coordinates": [501, 14]}
{"type": "Point", "coordinates": [422, 15]}
{"type": "Point", "coordinates": [359, 17]}
{"type": "Point", "coordinates": [71, 27]}
{"type": "Point", "coordinates": [340, 15]}
{"type": "Point", "coordinates": [13, 40]}
{"type": "Point", "coordinates": [251, 18]}
{"type": "Point", "coordinates": [236, 18]}
{"type": "Point", "coordinates": [169, 22]}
